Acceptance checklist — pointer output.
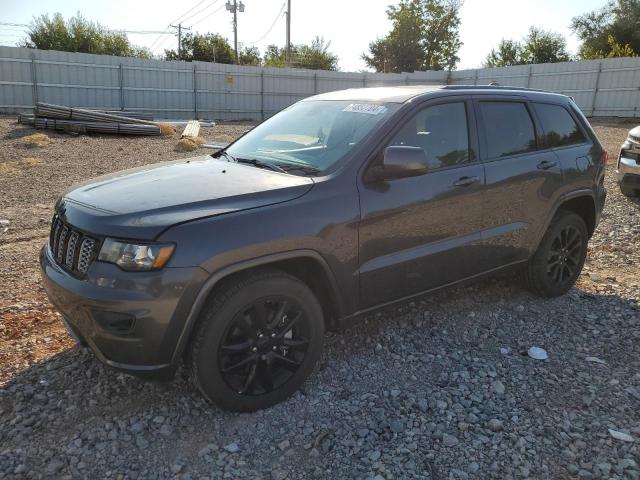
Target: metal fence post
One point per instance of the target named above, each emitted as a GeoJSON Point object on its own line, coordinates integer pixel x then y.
{"type": "Point", "coordinates": [475, 80]}
{"type": "Point", "coordinates": [595, 90]}
{"type": "Point", "coordinates": [364, 80]}
{"type": "Point", "coordinates": [406, 80]}
{"type": "Point", "coordinates": [195, 93]}
{"type": "Point", "coordinates": [315, 83]}
{"type": "Point", "coordinates": [262, 95]}
{"type": "Point", "coordinates": [121, 84]}
{"type": "Point", "coordinates": [529, 75]}
{"type": "Point", "coordinates": [448, 79]}
{"type": "Point", "coordinates": [34, 79]}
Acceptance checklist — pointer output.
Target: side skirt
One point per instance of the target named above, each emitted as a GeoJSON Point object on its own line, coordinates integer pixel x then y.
{"type": "Point", "coordinates": [350, 320]}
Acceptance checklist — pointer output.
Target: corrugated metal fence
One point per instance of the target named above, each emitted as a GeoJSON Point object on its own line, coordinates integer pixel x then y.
{"type": "Point", "coordinates": [184, 90]}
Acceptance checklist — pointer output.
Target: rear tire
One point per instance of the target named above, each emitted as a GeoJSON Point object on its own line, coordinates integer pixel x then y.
{"type": "Point", "coordinates": [257, 341]}
{"type": "Point", "coordinates": [557, 263]}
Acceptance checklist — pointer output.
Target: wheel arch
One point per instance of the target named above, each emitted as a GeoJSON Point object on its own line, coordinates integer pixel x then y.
{"type": "Point", "coordinates": [584, 206]}
{"type": "Point", "coordinates": [306, 265]}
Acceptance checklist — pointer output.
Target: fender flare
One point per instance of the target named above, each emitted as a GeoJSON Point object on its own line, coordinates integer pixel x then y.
{"type": "Point", "coordinates": [583, 192]}
{"type": "Point", "coordinates": [215, 278]}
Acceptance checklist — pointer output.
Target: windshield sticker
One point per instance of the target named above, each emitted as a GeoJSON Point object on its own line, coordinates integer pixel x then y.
{"type": "Point", "coordinates": [368, 108]}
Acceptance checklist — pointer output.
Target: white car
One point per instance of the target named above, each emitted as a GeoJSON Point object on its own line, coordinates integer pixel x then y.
{"type": "Point", "coordinates": [628, 168]}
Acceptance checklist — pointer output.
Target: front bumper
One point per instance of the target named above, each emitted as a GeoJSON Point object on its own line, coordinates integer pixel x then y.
{"type": "Point", "coordinates": [628, 172]}
{"type": "Point", "coordinates": [131, 320]}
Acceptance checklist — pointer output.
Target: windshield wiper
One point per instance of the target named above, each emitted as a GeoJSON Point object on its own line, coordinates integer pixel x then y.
{"type": "Point", "coordinates": [307, 169]}
{"type": "Point", "coordinates": [260, 164]}
{"type": "Point", "coordinates": [224, 153]}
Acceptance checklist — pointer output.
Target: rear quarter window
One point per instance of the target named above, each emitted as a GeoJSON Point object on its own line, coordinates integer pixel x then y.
{"type": "Point", "coordinates": [508, 128]}
{"type": "Point", "coordinates": [560, 129]}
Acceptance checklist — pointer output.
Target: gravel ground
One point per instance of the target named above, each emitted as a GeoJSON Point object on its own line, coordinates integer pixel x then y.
{"type": "Point", "coordinates": [439, 388]}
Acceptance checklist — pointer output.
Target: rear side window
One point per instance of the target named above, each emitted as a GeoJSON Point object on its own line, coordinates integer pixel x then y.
{"type": "Point", "coordinates": [508, 128]}
{"type": "Point", "coordinates": [441, 131]}
{"type": "Point", "coordinates": [560, 129]}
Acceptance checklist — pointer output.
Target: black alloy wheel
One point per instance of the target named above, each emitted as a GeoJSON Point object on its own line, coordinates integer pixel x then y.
{"type": "Point", "coordinates": [264, 345]}
{"type": "Point", "coordinates": [564, 255]}
{"type": "Point", "coordinates": [558, 260]}
{"type": "Point", "coordinates": [257, 340]}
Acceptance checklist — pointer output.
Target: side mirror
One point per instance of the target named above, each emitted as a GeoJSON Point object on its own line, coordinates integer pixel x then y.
{"type": "Point", "coordinates": [401, 162]}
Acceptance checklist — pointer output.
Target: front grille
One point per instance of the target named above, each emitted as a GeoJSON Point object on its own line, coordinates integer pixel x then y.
{"type": "Point", "coordinates": [72, 250]}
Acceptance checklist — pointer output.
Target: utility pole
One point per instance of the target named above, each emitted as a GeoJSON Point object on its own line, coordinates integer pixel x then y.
{"type": "Point", "coordinates": [180, 28]}
{"type": "Point", "coordinates": [234, 7]}
{"type": "Point", "coordinates": [288, 30]}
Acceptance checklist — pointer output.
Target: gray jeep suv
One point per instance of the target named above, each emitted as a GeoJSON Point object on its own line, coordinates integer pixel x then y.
{"type": "Point", "coordinates": [342, 203]}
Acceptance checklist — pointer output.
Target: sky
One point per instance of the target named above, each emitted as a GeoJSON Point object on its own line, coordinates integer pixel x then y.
{"type": "Point", "coordinates": [348, 25]}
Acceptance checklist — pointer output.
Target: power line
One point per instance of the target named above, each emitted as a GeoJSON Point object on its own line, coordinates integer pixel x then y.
{"type": "Point", "coordinates": [207, 16]}
{"type": "Point", "coordinates": [184, 20]}
{"type": "Point", "coordinates": [271, 27]}
{"type": "Point", "coordinates": [180, 18]}
{"type": "Point", "coordinates": [155, 43]}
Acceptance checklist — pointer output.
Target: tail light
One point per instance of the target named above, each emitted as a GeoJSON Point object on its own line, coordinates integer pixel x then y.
{"type": "Point", "coordinates": [604, 158]}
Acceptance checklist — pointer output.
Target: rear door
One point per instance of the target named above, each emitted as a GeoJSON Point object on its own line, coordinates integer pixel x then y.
{"type": "Point", "coordinates": [563, 134]}
{"type": "Point", "coordinates": [523, 178]}
{"type": "Point", "coordinates": [420, 232]}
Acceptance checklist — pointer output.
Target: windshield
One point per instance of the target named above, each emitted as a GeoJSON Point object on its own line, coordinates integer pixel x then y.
{"type": "Point", "coordinates": [310, 136]}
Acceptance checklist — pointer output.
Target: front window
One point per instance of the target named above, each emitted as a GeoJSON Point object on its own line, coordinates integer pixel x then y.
{"type": "Point", "coordinates": [310, 137]}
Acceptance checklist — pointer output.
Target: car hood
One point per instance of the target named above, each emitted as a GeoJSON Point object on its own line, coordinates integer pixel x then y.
{"type": "Point", "coordinates": [142, 202]}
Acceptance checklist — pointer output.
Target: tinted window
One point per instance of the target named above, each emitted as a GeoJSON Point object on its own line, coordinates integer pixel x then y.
{"type": "Point", "coordinates": [508, 128]}
{"type": "Point", "coordinates": [559, 127]}
{"type": "Point", "coordinates": [441, 131]}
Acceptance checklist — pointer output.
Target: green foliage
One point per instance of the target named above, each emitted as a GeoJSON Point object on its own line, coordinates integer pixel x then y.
{"type": "Point", "coordinates": [424, 36]}
{"type": "Point", "coordinates": [507, 53]}
{"type": "Point", "coordinates": [250, 56]}
{"type": "Point", "coordinates": [315, 56]}
{"type": "Point", "coordinates": [539, 46]}
{"type": "Point", "coordinates": [79, 35]}
{"type": "Point", "coordinates": [611, 31]}
{"type": "Point", "coordinates": [208, 47]}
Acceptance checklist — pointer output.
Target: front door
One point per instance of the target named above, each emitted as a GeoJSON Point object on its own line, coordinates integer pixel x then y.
{"type": "Point", "coordinates": [420, 232]}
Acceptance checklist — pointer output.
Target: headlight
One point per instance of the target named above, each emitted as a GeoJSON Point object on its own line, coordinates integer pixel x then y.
{"type": "Point", "coordinates": [136, 256]}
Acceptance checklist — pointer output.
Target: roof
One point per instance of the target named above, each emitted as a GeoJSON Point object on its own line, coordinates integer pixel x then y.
{"type": "Point", "coordinates": [401, 94]}
{"type": "Point", "coordinates": [379, 94]}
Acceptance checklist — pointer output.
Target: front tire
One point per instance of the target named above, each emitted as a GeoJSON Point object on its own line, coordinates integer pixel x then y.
{"type": "Point", "coordinates": [257, 341]}
{"type": "Point", "coordinates": [557, 263]}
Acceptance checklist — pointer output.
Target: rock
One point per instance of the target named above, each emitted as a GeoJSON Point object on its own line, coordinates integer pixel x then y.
{"type": "Point", "coordinates": [495, 425]}
{"type": "Point", "coordinates": [625, 437]}
{"type": "Point", "coordinates": [283, 445]}
{"type": "Point", "coordinates": [374, 455]}
{"type": "Point", "coordinates": [232, 447]}
{"type": "Point", "coordinates": [176, 468]}
{"type": "Point", "coordinates": [498, 387]}
{"type": "Point", "coordinates": [396, 426]}
{"type": "Point", "coordinates": [449, 440]}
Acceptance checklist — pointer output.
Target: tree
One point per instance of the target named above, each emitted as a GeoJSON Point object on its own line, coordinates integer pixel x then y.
{"type": "Point", "coordinates": [508, 52]}
{"type": "Point", "coordinates": [208, 47]}
{"type": "Point", "coordinates": [79, 35]}
{"type": "Point", "coordinates": [609, 31]}
{"type": "Point", "coordinates": [424, 36]}
{"type": "Point", "coordinates": [315, 56]}
{"type": "Point", "coordinates": [250, 56]}
{"type": "Point", "coordinates": [539, 46]}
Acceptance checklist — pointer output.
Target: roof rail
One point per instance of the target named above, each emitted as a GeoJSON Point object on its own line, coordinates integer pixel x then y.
{"type": "Point", "coordinates": [493, 87]}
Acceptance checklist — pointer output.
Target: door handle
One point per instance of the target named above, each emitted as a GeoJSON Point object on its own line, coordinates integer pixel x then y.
{"type": "Point", "coordinates": [547, 164]}
{"type": "Point", "coordinates": [466, 181]}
